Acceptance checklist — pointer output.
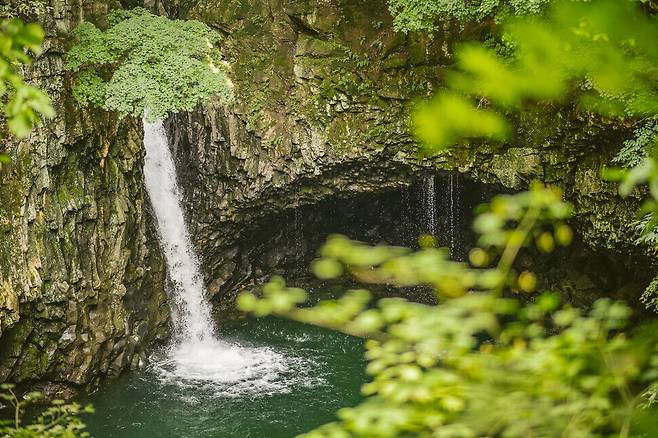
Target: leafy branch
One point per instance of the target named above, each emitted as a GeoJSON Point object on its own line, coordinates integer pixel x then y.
{"type": "Point", "coordinates": [467, 366]}
{"type": "Point", "coordinates": [60, 420]}
{"type": "Point", "coordinates": [23, 104]}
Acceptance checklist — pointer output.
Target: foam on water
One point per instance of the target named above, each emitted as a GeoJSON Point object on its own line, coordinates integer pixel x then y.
{"type": "Point", "coordinates": [197, 358]}
{"type": "Point", "coordinates": [225, 370]}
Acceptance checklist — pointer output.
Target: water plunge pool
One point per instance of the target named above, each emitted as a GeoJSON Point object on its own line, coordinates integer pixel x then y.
{"type": "Point", "coordinates": [320, 371]}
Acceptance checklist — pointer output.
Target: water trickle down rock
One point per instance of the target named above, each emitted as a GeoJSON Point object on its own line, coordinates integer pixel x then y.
{"type": "Point", "coordinates": [429, 201]}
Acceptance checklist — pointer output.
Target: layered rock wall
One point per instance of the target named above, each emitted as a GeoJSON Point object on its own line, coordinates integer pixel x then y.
{"type": "Point", "coordinates": [323, 95]}
{"type": "Point", "coordinates": [81, 276]}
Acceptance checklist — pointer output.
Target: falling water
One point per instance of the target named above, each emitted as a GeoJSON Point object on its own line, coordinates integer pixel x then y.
{"type": "Point", "coordinates": [451, 214]}
{"type": "Point", "coordinates": [196, 354]}
{"type": "Point", "coordinates": [192, 321]}
{"type": "Point", "coordinates": [429, 195]}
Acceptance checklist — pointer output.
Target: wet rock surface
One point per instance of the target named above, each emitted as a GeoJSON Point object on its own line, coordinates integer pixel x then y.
{"type": "Point", "coordinates": [323, 96]}
{"type": "Point", "coordinates": [81, 276]}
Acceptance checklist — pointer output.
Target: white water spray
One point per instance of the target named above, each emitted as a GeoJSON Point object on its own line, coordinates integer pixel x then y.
{"type": "Point", "coordinates": [192, 319]}
{"type": "Point", "coordinates": [197, 355]}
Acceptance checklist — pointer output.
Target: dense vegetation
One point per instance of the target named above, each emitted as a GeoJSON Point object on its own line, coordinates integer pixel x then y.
{"type": "Point", "coordinates": [143, 61]}
{"type": "Point", "coordinates": [423, 15]}
{"type": "Point", "coordinates": [24, 9]}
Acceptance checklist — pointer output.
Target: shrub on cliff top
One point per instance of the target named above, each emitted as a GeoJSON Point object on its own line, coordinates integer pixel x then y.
{"type": "Point", "coordinates": [422, 15]}
{"type": "Point", "coordinates": [145, 61]}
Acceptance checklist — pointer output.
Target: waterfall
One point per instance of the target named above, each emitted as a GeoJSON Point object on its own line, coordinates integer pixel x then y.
{"type": "Point", "coordinates": [191, 317]}
{"type": "Point", "coordinates": [455, 224]}
{"type": "Point", "coordinates": [196, 354]}
{"type": "Point", "coordinates": [429, 195]}
{"type": "Point", "coordinates": [451, 214]}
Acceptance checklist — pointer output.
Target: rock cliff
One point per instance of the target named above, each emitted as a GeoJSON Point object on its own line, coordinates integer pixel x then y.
{"type": "Point", "coordinates": [323, 95]}
{"type": "Point", "coordinates": [81, 276]}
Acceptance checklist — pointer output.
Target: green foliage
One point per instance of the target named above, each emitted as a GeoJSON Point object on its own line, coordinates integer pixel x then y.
{"type": "Point", "coordinates": [22, 104]}
{"type": "Point", "coordinates": [422, 15]}
{"type": "Point", "coordinates": [60, 420]}
{"type": "Point", "coordinates": [460, 120]}
{"type": "Point", "coordinates": [90, 89]}
{"type": "Point", "coordinates": [147, 62]}
{"type": "Point", "coordinates": [650, 295]}
{"type": "Point", "coordinates": [606, 49]}
{"type": "Point", "coordinates": [26, 9]}
{"type": "Point", "coordinates": [479, 364]}
{"type": "Point", "coordinates": [648, 231]}
{"type": "Point", "coordinates": [644, 173]}
{"type": "Point", "coordinates": [634, 150]}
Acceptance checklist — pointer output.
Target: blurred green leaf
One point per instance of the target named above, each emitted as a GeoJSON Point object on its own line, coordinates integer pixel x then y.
{"type": "Point", "coordinates": [450, 117]}
{"type": "Point", "coordinates": [327, 268]}
{"type": "Point", "coordinates": [23, 105]}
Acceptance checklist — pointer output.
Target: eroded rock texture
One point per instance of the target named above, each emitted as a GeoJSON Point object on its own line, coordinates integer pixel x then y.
{"type": "Point", "coordinates": [323, 95]}
{"type": "Point", "coordinates": [81, 276]}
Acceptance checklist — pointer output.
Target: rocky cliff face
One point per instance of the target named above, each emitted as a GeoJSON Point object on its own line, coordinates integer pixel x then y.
{"type": "Point", "coordinates": [311, 120]}
{"type": "Point", "coordinates": [323, 91]}
{"type": "Point", "coordinates": [81, 276]}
